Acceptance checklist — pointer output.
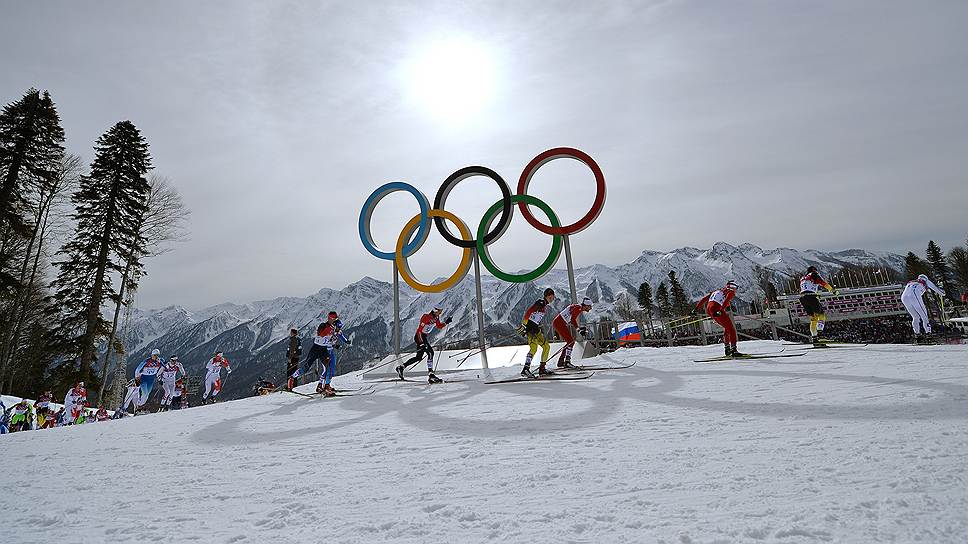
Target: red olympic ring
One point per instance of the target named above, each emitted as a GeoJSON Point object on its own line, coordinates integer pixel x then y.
{"type": "Point", "coordinates": [560, 153]}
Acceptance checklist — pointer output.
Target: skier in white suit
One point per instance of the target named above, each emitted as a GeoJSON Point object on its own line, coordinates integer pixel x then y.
{"type": "Point", "coordinates": [913, 301]}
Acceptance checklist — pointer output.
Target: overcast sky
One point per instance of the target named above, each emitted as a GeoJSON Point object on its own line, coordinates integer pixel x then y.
{"type": "Point", "coordinates": [825, 125]}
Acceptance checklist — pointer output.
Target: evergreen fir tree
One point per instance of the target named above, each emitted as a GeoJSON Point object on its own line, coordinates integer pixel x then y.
{"type": "Point", "coordinates": [680, 302]}
{"type": "Point", "coordinates": [914, 265]}
{"type": "Point", "coordinates": [940, 269]}
{"type": "Point", "coordinates": [662, 301]}
{"type": "Point", "coordinates": [108, 203]}
{"type": "Point", "coordinates": [31, 149]}
{"type": "Point", "coordinates": [958, 262]}
{"type": "Point", "coordinates": [645, 299]}
{"type": "Point", "coordinates": [645, 303]}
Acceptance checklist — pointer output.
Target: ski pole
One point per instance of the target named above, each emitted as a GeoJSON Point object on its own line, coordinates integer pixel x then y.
{"type": "Point", "coordinates": [381, 365]}
{"type": "Point", "coordinates": [690, 323]}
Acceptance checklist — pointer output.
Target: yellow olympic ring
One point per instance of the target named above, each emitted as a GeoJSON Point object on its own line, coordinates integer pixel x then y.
{"type": "Point", "coordinates": [404, 267]}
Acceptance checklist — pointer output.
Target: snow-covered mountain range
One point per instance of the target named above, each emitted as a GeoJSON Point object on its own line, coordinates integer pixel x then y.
{"type": "Point", "coordinates": [253, 335]}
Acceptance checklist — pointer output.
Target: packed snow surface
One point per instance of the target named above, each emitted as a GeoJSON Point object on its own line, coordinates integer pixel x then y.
{"type": "Point", "coordinates": [841, 445]}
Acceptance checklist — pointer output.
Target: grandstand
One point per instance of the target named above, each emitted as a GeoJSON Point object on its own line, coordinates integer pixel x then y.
{"type": "Point", "coordinates": [851, 303]}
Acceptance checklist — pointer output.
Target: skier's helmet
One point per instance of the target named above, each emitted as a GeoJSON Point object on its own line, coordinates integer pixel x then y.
{"type": "Point", "coordinates": [334, 315]}
{"type": "Point", "coordinates": [155, 352]}
{"type": "Point", "coordinates": [731, 285]}
{"type": "Point", "coordinates": [291, 331]}
{"type": "Point", "coordinates": [586, 302]}
{"type": "Point", "coordinates": [922, 278]}
{"type": "Point", "coordinates": [218, 353]}
{"type": "Point", "coordinates": [438, 309]}
{"type": "Point", "coordinates": [549, 292]}
{"type": "Point", "coordinates": [811, 269]}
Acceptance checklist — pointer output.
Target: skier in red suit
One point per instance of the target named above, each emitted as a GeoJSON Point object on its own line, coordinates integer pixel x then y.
{"type": "Point", "coordinates": [569, 316]}
{"type": "Point", "coordinates": [715, 304]}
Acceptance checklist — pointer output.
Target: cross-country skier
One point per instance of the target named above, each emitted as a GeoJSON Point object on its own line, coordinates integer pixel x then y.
{"type": "Point", "coordinates": [4, 428]}
{"type": "Point", "coordinates": [531, 329]}
{"type": "Point", "coordinates": [176, 396]}
{"type": "Point", "coordinates": [21, 416]}
{"type": "Point", "coordinates": [147, 371]}
{"type": "Point", "coordinates": [133, 396]}
{"type": "Point", "coordinates": [43, 401]}
{"type": "Point", "coordinates": [169, 374]}
{"type": "Point", "coordinates": [327, 333]}
{"type": "Point", "coordinates": [913, 301]}
{"type": "Point", "coordinates": [715, 305]}
{"type": "Point", "coordinates": [293, 353]}
{"type": "Point", "coordinates": [74, 403]}
{"type": "Point", "coordinates": [428, 322]}
{"type": "Point", "coordinates": [569, 316]}
{"type": "Point", "coordinates": [810, 286]}
{"type": "Point", "coordinates": [213, 379]}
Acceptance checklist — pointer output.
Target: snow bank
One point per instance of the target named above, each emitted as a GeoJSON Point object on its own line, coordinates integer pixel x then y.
{"type": "Point", "coordinates": [841, 445]}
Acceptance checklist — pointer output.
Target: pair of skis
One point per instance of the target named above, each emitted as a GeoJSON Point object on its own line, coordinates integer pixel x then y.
{"type": "Point", "coordinates": [824, 344]}
{"type": "Point", "coordinates": [365, 390]}
{"type": "Point", "coordinates": [562, 374]}
{"type": "Point", "coordinates": [749, 356]}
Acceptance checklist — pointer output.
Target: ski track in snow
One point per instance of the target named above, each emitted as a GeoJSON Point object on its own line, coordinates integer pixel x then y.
{"type": "Point", "coordinates": [851, 445]}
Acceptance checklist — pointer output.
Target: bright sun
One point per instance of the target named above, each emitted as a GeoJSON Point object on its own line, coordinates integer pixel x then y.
{"type": "Point", "coordinates": [452, 80]}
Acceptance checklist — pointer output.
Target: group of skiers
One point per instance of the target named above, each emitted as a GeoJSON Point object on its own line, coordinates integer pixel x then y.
{"type": "Point", "coordinates": [329, 338]}
{"type": "Point", "coordinates": [25, 415]}
{"type": "Point", "coordinates": [530, 328]}
{"type": "Point", "coordinates": [41, 414]}
{"type": "Point", "coordinates": [174, 395]}
{"type": "Point", "coordinates": [716, 305]}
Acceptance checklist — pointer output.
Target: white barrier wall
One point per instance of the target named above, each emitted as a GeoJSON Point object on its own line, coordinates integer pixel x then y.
{"type": "Point", "coordinates": [455, 359]}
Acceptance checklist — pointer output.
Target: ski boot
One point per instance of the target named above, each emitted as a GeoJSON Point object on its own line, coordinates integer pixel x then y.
{"type": "Point", "coordinates": [328, 391]}
{"type": "Point", "coordinates": [432, 378]}
{"type": "Point", "coordinates": [290, 383]}
{"type": "Point", "coordinates": [566, 365]}
{"type": "Point", "coordinates": [736, 354]}
{"type": "Point", "coordinates": [729, 350]}
{"type": "Point", "coordinates": [526, 372]}
{"type": "Point", "coordinates": [320, 389]}
{"type": "Point", "coordinates": [399, 370]}
{"type": "Point", "coordinates": [818, 342]}
{"type": "Point", "coordinates": [542, 371]}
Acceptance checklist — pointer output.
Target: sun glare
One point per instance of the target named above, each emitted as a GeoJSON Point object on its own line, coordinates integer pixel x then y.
{"type": "Point", "coordinates": [452, 80]}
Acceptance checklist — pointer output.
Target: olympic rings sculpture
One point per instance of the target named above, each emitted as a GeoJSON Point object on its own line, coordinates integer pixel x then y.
{"type": "Point", "coordinates": [417, 229]}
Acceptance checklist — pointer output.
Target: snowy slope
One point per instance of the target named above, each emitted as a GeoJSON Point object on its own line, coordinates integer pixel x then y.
{"type": "Point", "coordinates": [254, 333]}
{"type": "Point", "coordinates": [848, 445]}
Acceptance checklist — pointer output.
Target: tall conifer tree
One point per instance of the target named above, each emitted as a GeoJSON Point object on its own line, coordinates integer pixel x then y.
{"type": "Point", "coordinates": [662, 301]}
{"type": "Point", "coordinates": [942, 276]}
{"type": "Point", "coordinates": [31, 150]}
{"type": "Point", "coordinates": [680, 302]}
{"type": "Point", "coordinates": [108, 204]}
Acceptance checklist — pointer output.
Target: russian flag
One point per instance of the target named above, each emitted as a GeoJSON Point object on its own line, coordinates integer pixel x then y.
{"type": "Point", "coordinates": [627, 332]}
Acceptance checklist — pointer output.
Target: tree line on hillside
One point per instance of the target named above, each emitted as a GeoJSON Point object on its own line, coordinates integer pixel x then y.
{"type": "Point", "coordinates": [949, 271]}
{"type": "Point", "coordinates": [73, 240]}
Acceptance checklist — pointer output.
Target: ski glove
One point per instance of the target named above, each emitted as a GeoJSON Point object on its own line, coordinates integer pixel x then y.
{"type": "Point", "coordinates": [717, 313]}
{"type": "Point", "coordinates": [448, 320]}
{"type": "Point", "coordinates": [521, 330]}
{"type": "Point", "coordinates": [583, 331]}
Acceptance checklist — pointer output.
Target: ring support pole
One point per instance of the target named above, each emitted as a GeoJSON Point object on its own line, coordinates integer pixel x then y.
{"type": "Point", "coordinates": [396, 310]}
{"type": "Point", "coordinates": [480, 310]}
{"type": "Point", "coordinates": [571, 270]}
